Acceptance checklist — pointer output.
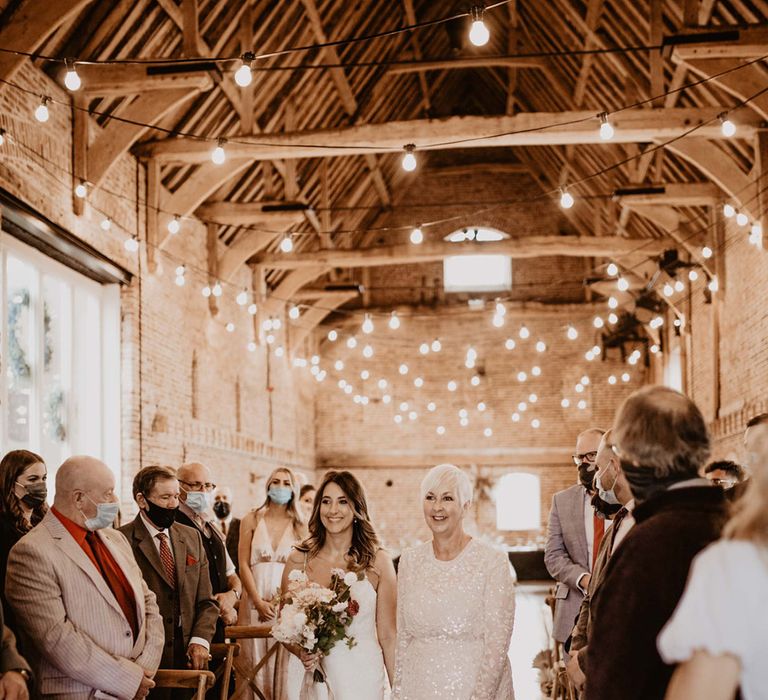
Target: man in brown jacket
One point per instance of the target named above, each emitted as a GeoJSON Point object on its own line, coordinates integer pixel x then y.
{"type": "Point", "coordinates": [172, 558]}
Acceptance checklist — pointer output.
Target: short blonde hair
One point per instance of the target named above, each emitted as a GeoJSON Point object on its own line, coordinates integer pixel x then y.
{"type": "Point", "coordinates": [450, 476]}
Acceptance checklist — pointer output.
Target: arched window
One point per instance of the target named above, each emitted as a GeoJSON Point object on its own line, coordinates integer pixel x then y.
{"type": "Point", "coordinates": [518, 502]}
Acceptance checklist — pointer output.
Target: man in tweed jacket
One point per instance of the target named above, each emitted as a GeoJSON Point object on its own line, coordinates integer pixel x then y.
{"type": "Point", "coordinates": [90, 623]}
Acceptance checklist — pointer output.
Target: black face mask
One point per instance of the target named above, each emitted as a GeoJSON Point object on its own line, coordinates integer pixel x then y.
{"type": "Point", "coordinates": [222, 509]}
{"type": "Point", "coordinates": [35, 494]}
{"type": "Point", "coordinates": [603, 508]}
{"type": "Point", "coordinates": [643, 481]}
{"type": "Point", "coordinates": [587, 476]}
{"type": "Point", "coordinates": [162, 517]}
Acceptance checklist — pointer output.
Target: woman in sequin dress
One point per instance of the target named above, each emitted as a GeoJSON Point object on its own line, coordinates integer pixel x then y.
{"type": "Point", "coordinates": [341, 536]}
{"type": "Point", "coordinates": [267, 535]}
{"type": "Point", "coordinates": [456, 605]}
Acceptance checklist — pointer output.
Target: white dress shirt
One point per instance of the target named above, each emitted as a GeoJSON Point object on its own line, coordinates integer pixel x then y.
{"type": "Point", "coordinates": [154, 531]}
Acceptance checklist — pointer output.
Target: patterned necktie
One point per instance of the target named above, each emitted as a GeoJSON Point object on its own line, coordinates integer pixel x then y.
{"type": "Point", "coordinates": [224, 527]}
{"type": "Point", "coordinates": [167, 559]}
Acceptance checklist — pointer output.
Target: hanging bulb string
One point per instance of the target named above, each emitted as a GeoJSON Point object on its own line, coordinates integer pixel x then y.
{"type": "Point", "coordinates": [426, 146]}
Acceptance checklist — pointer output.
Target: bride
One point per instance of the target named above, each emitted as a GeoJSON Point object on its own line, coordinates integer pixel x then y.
{"type": "Point", "coordinates": [341, 536]}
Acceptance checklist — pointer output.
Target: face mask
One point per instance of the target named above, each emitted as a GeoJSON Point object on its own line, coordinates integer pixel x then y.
{"type": "Point", "coordinates": [222, 509]}
{"type": "Point", "coordinates": [643, 481]}
{"type": "Point", "coordinates": [35, 493]}
{"type": "Point", "coordinates": [105, 515]}
{"type": "Point", "coordinates": [162, 517]}
{"type": "Point", "coordinates": [604, 509]}
{"type": "Point", "coordinates": [279, 495]}
{"type": "Point", "coordinates": [607, 495]}
{"type": "Point", "coordinates": [199, 501]}
{"type": "Point", "coordinates": [587, 476]}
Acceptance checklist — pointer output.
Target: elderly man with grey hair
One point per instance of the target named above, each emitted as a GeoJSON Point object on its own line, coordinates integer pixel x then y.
{"type": "Point", "coordinates": [661, 440]}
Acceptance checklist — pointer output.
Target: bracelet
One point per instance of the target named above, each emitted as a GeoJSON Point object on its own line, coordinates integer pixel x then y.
{"type": "Point", "coordinates": [237, 593]}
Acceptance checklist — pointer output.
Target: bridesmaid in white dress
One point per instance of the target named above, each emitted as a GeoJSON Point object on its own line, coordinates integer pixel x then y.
{"type": "Point", "coordinates": [267, 535]}
{"type": "Point", "coordinates": [456, 605]}
{"type": "Point", "coordinates": [341, 536]}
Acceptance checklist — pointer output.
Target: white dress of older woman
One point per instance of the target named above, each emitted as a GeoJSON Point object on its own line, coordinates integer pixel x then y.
{"type": "Point", "coordinates": [454, 625]}
{"type": "Point", "coordinates": [722, 612]}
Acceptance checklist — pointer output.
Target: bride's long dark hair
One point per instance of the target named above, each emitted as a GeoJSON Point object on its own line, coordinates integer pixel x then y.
{"type": "Point", "coordinates": [365, 542]}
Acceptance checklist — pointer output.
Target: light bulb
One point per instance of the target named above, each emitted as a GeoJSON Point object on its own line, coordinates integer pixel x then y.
{"type": "Point", "coordinates": [418, 382]}
{"type": "Point", "coordinates": [181, 270]}
{"type": "Point", "coordinates": [131, 245]}
{"type": "Point", "coordinates": [589, 356]}
{"type": "Point", "coordinates": [475, 381]}
{"type": "Point", "coordinates": [713, 285]}
{"type": "Point", "coordinates": [2, 136]}
{"type": "Point", "coordinates": [622, 284]}
{"type": "Point", "coordinates": [81, 191]}
{"type": "Point", "coordinates": [286, 245]}
{"type": "Point", "coordinates": [72, 79]}
{"type": "Point", "coordinates": [522, 407]}
{"type": "Point", "coordinates": [521, 376]}
{"type": "Point", "coordinates": [368, 351]}
{"type": "Point", "coordinates": [566, 199]}
{"type": "Point", "coordinates": [293, 313]}
{"type": "Point", "coordinates": [612, 269]}
{"type": "Point", "coordinates": [533, 398]}
{"type": "Point", "coordinates": [106, 224]}
{"type": "Point", "coordinates": [625, 377]}
{"type": "Point", "coordinates": [582, 405]}
{"type": "Point", "coordinates": [668, 290]}
{"type": "Point", "coordinates": [606, 130]}
{"type": "Point", "coordinates": [367, 324]}
{"type": "Point", "coordinates": [218, 155]}
{"type": "Point", "coordinates": [436, 345]}
{"type": "Point", "coordinates": [417, 236]}
{"type": "Point", "coordinates": [488, 432]}
{"type": "Point", "coordinates": [728, 211]}
{"type": "Point", "coordinates": [424, 348]}
{"type": "Point", "coordinates": [679, 286]}
{"type": "Point", "coordinates": [338, 366]}
{"type": "Point", "coordinates": [41, 113]}
{"type": "Point", "coordinates": [333, 335]}
{"type": "Point", "coordinates": [403, 369]}
{"type": "Point", "coordinates": [613, 319]}
{"type": "Point", "coordinates": [252, 309]}
{"type": "Point", "coordinates": [382, 383]}
{"type": "Point", "coordinates": [742, 219]}
{"type": "Point", "coordinates": [409, 159]}
{"type": "Point", "coordinates": [535, 423]}
{"type": "Point", "coordinates": [524, 332]}
{"type": "Point", "coordinates": [515, 417]}
{"type": "Point", "coordinates": [572, 333]}
{"type": "Point", "coordinates": [612, 379]}
{"type": "Point", "coordinates": [478, 32]}
{"type": "Point", "coordinates": [536, 371]}
{"type": "Point", "coordinates": [452, 386]}
{"type": "Point", "coordinates": [598, 322]}
{"type": "Point", "coordinates": [565, 403]}
{"type": "Point", "coordinates": [394, 321]}
{"type": "Point", "coordinates": [180, 280]}
{"type": "Point", "coordinates": [174, 226]}
{"type": "Point", "coordinates": [613, 302]}
{"type": "Point", "coordinates": [244, 75]}
{"type": "Point", "coordinates": [706, 252]}
{"type": "Point", "coordinates": [481, 406]}
{"type": "Point", "coordinates": [756, 234]}
{"type": "Point", "coordinates": [230, 327]}
{"type": "Point", "coordinates": [727, 126]}
{"type": "Point", "coordinates": [352, 343]}
{"type": "Point", "coordinates": [541, 346]}
{"type": "Point", "coordinates": [386, 398]}
{"type": "Point", "coordinates": [206, 292]}
{"type": "Point", "coordinates": [509, 344]}
{"type": "Point", "coordinates": [242, 298]}
{"type": "Point", "coordinates": [464, 422]}
{"type": "Point", "coordinates": [693, 275]}
{"type": "Point", "coordinates": [498, 321]}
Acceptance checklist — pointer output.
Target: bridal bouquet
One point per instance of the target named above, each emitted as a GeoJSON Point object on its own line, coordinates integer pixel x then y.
{"type": "Point", "coordinates": [316, 618]}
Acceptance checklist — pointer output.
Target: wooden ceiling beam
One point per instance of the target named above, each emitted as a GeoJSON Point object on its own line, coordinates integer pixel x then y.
{"type": "Point", "coordinates": [105, 80]}
{"type": "Point", "coordinates": [311, 294]}
{"type": "Point", "coordinates": [678, 194]}
{"type": "Point", "coordinates": [467, 63]}
{"type": "Point", "coordinates": [524, 129]}
{"type": "Point", "coordinates": [726, 42]}
{"type": "Point", "coordinates": [274, 215]}
{"type": "Point", "coordinates": [524, 247]}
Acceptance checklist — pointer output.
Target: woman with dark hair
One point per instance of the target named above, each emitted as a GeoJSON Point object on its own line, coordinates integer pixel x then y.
{"type": "Point", "coordinates": [341, 536]}
{"type": "Point", "coordinates": [307, 500]}
{"type": "Point", "coordinates": [22, 506]}
{"type": "Point", "coordinates": [267, 535]}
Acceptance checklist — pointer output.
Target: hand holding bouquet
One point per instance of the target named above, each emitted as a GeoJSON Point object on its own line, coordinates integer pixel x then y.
{"type": "Point", "coordinates": [315, 618]}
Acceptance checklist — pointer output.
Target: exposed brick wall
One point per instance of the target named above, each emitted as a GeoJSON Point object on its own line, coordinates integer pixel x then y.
{"type": "Point", "coordinates": [160, 332]}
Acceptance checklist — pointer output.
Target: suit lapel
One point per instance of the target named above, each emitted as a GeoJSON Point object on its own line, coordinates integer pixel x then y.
{"type": "Point", "coordinates": [127, 567]}
{"type": "Point", "coordinates": [148, 548]}
{"type": "Point", "coordinates": [75, 552]}
{"type": "Point", "coordinates": [581, 528]}
{"type": "Point", "coordinates": [179, 555]}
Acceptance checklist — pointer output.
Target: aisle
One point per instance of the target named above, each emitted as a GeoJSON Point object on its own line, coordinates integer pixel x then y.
{"type": "Point", "coordinates": [528, 639]}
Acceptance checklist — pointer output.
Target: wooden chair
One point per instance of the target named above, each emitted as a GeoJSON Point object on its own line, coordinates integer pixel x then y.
{"type": "Point", "coordinates": [225, 652]}
{"type": "Point", "coordinates": [187, 678]}
{"type": "Point", "coordinates": [562, 686]}
{"type": "Point", "coordinates": [246, 677]}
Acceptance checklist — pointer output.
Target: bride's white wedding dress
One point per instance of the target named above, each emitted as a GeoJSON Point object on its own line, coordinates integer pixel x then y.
{"type": "Point", "coordinates": [357, 673]}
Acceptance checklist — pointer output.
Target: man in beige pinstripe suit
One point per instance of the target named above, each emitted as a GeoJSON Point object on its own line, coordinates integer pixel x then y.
{"type": "Point", "coordinates": [91, 624]}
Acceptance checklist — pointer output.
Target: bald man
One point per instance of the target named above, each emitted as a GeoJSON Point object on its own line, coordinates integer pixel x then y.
{"type": "Point", "coordinates": [195, 506]}
{"type": "Point", "coordinates": [90, 623]}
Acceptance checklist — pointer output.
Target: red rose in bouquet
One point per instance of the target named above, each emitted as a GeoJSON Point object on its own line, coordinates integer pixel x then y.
{"type": "Point", "coordinates": [353, 607]}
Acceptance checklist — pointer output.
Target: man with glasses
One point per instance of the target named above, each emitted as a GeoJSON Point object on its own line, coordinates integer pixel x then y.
{"type": "Point", "coordinates": [574, 536]}
{"type": "Point", "coordinates": [196, 501]}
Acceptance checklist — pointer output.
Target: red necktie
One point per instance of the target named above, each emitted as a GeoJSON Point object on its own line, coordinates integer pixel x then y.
{"type": "Point", "coordinates": [167, 559]}
{"type": "Point", "coordinates": [598, 538]}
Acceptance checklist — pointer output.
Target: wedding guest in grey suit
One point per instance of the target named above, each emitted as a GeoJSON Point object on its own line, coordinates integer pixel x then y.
{"type": "Point", "coordinates": [574, 536]}
{"type": "Point", "coordinates": [90, 623]}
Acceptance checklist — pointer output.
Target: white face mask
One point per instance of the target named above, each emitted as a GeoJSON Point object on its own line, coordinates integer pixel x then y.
{"type": "Point", "coordinates": [608, 495]}
{"type": "Point", "coordinates": [199, 501]}
{"type": "Point", "coordinates": [105, 514]}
